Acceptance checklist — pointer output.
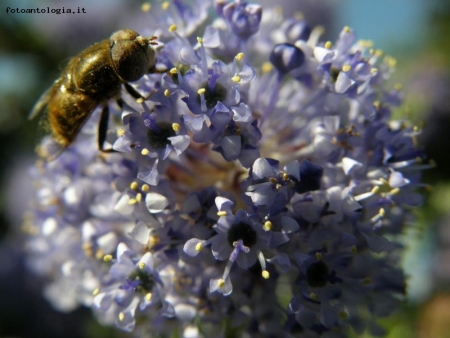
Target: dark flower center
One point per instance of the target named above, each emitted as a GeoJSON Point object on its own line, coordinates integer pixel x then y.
{"type": "Point", "coordinates": [317, 275]}
{"type": "Point", "coordinates": [213, 95]}
{"type": "Point", "coordinates": [145, 280]}
{"type": "Point", "coordinates": [158, 136]}
{"type": "Point", "coordinates": [244, 232]}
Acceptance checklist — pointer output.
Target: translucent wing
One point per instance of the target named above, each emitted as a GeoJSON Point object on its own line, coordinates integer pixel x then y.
{"type": "Point", "coordinates": [40, 104]}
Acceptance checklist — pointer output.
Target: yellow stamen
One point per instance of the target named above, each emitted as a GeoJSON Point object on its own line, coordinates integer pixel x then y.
{"type": "Point", "coordinates": [375, 189]}
{"type": "Point", "coordinates": [199, 246]}
{"type": "Point", "coordinates": [266, 67]}
{"type": "Point", "coordinates": [221, 213]}
{"type": "Point", "coordinates": [395, 191]}
{"type": "Point", "coordinates": [343, 315]}
{"type": "Point", "coordinates": [267, 225]}
{"type": "Point", "coordinates": [99, 254]}
{"type": "Point", "coordinates": [145, 152]}
{"type": "Point", "coordinates": [239, 56]}
{"type": "Point", "coordinates": [319, 256]}
{"type": "Point", "coordinates": [236, 79]}
{"type": "Point", "coordinates": [134, 185]}
{"type": "Point", "coordinates": [146, 7]}
{"type": "Point", "coordinates": [328, 45]}
{"type": "Point", "coordinates": [173, 71]}
{"type": "Point", "coordinates": [313, 296]}
{"type": "Point", "coordinates": [165, 5]}
{"type": "Point", "coordinates": [176, 127]}
{"type": "Point", "coordinates": [346, 68]}
{"type": "Point", "coordinates": [141, 265]}
{"type": "Point", "coordinates": [167, 93]}
{"type": "Point", "coordinates": [107, 258]}
{"type": "Point", "coordinates": [120, 132]}
{"type": "Point", "coordinates": [145, 188]}
{"type": "Point", "coordinates": [265, 274]}
{"type": "Point", "coordinates": [173, 28]}
{"type": "Point", "coordinates": [221, 282]}
{"type": "Point", "coordinates": [201, 91]}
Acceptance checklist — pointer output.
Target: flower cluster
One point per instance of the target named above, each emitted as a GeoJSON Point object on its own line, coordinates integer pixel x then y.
{"type": "Point", "coordinates": [257, 189]}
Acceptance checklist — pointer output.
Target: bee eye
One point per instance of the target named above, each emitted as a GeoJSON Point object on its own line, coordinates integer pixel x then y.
{"type": "Point", "coordinates": [130, 58]}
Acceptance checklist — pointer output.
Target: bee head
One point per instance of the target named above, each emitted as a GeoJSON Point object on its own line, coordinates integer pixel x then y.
{"type": "Point", "coordinates": [131, 54]}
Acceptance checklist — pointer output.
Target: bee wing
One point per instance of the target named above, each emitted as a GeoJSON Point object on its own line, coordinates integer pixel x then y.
{"type": "Point", "coordinates": [40, 104]}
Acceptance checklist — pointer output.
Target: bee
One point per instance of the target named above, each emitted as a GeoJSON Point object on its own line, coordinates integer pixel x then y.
{"type": "Point", "coordinates": [90, 79]}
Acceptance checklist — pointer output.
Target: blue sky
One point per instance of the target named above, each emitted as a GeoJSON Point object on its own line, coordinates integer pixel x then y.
{"type": "Point", "coordinates": [389, 23]}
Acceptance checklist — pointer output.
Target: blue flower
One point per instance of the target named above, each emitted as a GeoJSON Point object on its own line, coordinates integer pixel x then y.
{"type": "Point", "coordinates": [260, 157]}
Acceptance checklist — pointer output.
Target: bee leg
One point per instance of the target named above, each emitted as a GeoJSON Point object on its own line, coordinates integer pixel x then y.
{"type": "Point", "coordinates": [103, 130]}
{"type": "Point", "coordinates": [133, 92]}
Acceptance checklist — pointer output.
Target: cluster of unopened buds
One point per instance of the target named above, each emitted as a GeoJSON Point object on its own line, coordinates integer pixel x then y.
{"type": "Point", "coordinates": [257, 190]}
